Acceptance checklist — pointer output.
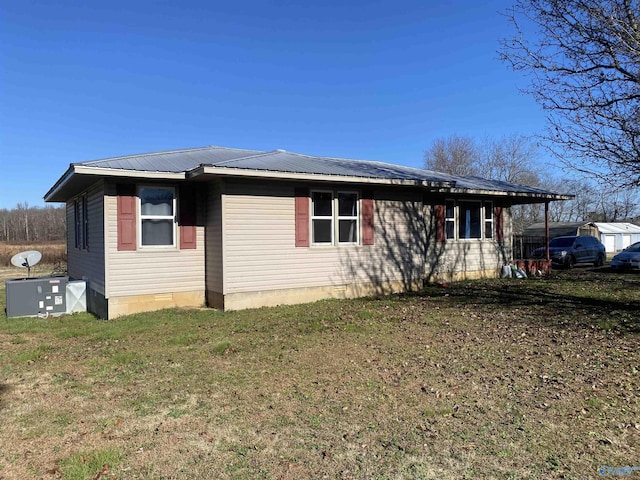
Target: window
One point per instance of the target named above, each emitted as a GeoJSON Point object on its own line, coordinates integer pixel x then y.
{"type": "Point", "coordinates": [77, 220]}
{"type": "Point", "coordinates": [469, 225]}
{"type": "Point", "coordinates": [81, 223]}
{"type": "Point", "coordinates": [347, 217]}
{"type": "Point", "coordinates": [466, 220]}
{"type": "Point", "coordinates": [322, 217]}
{"type": "Point", "coordinates": [334, 217]}
{"type": "Point", "coordinates": [450, 220]}
{"type": "Point", "coordinates": [488, 220]}
{"type": "Point", "coordinates": [157, 216]}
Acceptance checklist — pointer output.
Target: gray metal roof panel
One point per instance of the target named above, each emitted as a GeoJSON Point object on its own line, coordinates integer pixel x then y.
{"type": "Point", "coordinates": [289, 162]}
{"type": "Point", "coordinates": [171, 161]}
{"type": "Point", "coordinates": [478, 183]}
{"type": "Point", "coordinates": [184, 160]}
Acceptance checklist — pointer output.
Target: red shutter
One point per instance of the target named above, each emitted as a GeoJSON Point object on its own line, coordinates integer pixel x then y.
{"type": "Point", "coordinates": [187, 218]}
{"type": "Point", "coordinates": [302, 217]}
{"type": "Point", "coordinates": [126, 217]}
{"type": "Point", "coordinates": [440, 223]}
{"type": "Point", "coordinates": [367, 217]}
{"type": "Point", "coordinates": [499, 219]}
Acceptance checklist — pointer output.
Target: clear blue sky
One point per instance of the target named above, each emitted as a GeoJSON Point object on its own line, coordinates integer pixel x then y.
{"type": "Point", "coordinates": [379, 80]}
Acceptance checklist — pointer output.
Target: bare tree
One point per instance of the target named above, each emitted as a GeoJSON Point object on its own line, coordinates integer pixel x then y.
{"type": "Point", "coordinates": [593, 202]}
{"type": "Point", "coordinates": [582, 58]}
{"type": "Point", "coordinates": [575, 210]}
{"type": "Point", "coordinates": [510, 159]}
{"type": "Point", "coordinates": [515, 159]}
{"type": "Point", "coordinates": [23, 211]}
{"type": "Point", "coordinates": [32, 224]}
{"type": "Point", "coordinates": [455, 155]}
{"type": "Point", "coordinates": [613, 206]}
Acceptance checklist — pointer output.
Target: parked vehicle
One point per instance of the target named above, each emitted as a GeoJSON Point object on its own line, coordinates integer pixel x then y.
{"type": "Point", "coordinates": [628, 259]}
{"type": "Point", "coordinates": [567, 251]}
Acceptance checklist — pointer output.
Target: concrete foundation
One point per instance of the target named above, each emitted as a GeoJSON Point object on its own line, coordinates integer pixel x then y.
{"type": "Point", "coordinates": [119, 306]}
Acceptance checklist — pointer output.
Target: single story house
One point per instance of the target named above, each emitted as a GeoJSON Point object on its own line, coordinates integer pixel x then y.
{"type": "Point", "coordinates": [617, 236]}
{"type": "Point", "coordinates": [233, 229]}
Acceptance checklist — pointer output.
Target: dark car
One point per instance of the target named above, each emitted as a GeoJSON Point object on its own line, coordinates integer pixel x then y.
{"type": "Point", "coordinates": [567, 251]}
{"type": "Point", "coordinates": [628, 259]}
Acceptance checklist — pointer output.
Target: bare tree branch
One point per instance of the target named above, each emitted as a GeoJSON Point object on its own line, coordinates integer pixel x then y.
{"type": "Point", "coordinates": [582, 59]}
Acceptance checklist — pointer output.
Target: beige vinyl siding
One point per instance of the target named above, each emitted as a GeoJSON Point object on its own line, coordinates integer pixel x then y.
{"type": "Point", "coordinates": [472, 255]}
{"type": "Point", "coordinates": [88, 264]}
{"type": "Point", "coordinates": [469, 256]}
{"type": "Point", "coordinates": [214, 238]}
{"type": "Point", "coordinates": [259, 242]}
{"type": "Point", "coordinates": [150, 271]}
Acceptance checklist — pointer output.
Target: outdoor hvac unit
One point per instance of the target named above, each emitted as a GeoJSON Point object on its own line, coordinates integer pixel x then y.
{"type": "Point", "coordinates": [31, 297]}
{"type": "Point", "coordinates": [44, 296]}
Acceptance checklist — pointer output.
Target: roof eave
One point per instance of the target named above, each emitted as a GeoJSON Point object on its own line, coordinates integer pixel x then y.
{"type": "Point", "coordinates": [63, 180]}
{"type": "Point", "coordinates": [55, 194]}
{"type": "Point", "coordinates": [60, 193]}
{"type": "Point", "coordinates": [541, 197]}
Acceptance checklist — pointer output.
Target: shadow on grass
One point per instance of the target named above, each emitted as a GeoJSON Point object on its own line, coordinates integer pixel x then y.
{"type": "Point", "coordinates": [591, 297]}
{"type": "Point", "coordinates": [4, 390]}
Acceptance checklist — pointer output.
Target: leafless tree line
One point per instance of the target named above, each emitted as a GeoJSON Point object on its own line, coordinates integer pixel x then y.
{"type": "Point", "coordinates": [25, 224]}
{"type": "Point", "coordinates": [515, 159]}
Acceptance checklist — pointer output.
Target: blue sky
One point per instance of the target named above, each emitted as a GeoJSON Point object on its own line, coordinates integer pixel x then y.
{"type": "Point", "coordinates": [378, 80]}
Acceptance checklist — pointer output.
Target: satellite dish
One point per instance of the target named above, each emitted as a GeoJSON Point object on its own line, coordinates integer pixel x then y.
{"type": "Point", "coordinates": [26, 259]}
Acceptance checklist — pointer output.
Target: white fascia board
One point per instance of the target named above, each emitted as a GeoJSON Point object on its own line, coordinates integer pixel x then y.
{"type": "Point", "coordinates": [275, 175]}
{"type": "Point", "coordinates": [113, 172]}
{"type": "Point", "coordinates": [108, 172]}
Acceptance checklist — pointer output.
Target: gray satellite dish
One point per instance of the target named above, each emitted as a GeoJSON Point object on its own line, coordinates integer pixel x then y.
{"type": "Point", "coordinates": [26, 260]}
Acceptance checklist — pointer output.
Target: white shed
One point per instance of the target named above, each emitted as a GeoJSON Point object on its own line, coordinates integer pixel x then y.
{"type": "Point", "coordinates": [618, 236]}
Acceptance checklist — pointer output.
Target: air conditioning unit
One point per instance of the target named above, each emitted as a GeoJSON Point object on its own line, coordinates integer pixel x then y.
{"type": "Point", "coordinates": [32, 297]}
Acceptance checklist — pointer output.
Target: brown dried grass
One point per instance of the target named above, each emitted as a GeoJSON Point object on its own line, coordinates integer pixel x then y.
{"type": "Point", "coordinates": [53, 253]}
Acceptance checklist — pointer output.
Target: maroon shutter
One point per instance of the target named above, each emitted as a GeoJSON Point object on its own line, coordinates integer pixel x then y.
{"type": "Point", "coordinates": [126, 217]}
{"type": "Point", "coordinates": [302, 217]}
{"type": "Point", "coordinates": [187, 218]}
{"type": "Point", "coordinates": [367, 217]}
{"type": "Point", "coordinates": [440, 223]}
{"type": "Point", "coordinates": [499, 220]}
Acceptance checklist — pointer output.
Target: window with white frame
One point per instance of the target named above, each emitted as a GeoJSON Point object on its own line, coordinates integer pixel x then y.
{"type": "Point", "coordinates": [469, 219]}
{"type": "Point", "coordinates": [488, 220]}
{"type": "Point", "coordinates": [334, 216]}
{"type": "Point", "coordinates": [348, 217]}
{"type": "Point", "coordinates": [450, 219]}
{"type": "Point", "coordinates": [157, 216]}
{"type": "Point", "coordinates": [322, 218]}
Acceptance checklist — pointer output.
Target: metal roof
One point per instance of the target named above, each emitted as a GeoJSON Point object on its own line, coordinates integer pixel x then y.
{"type": "Point", "coordinates": [227, 161]}
{"type": "Point", "coordinates": [172, 160]}
{"type": "Point", "coordinates": [617, 227]}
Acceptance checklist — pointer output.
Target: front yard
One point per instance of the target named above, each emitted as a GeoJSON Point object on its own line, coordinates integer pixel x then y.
{"type": "Point", "coordinates": [492, 379]}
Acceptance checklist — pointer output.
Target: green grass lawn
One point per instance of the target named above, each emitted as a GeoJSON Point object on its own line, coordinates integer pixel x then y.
{"type": "Point", "coordinates": [491, 379]}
